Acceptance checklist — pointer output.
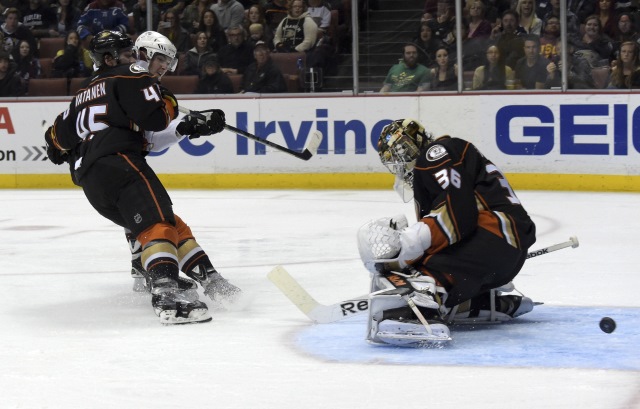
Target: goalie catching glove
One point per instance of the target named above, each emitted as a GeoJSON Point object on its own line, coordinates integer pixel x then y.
{"type": "Point", "coordinates": [202, 123]}
{"type": "Point", "coordinates": [383, 247]}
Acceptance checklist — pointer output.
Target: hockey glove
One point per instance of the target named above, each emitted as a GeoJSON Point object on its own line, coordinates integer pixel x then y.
{"type": "Point", "coordinates": [170, 101]}
{"type": "Point", "coordinates": [54, 154]}
{"type": "Point", "coordinates": [193, 126]}
{"type": "Point", "coordinates": [215, 120]}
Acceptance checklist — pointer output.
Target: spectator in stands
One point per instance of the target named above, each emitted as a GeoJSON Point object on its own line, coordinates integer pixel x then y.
{"type": "Point", "coordinates": [27, 65]}
{"type": "Point", "coordinates": [198, 55]}
{"type": "Point", "coordinates": [192, 14]}
{"type": "Point", "coordinates": [444, 77]}
{"type": "Point", "coordinates": [13, 32]}
{"type": "Point", "coordinates": [578, 71]}
{"type": "Point", "coordinates": [210, 26]}
{"type": "Point", "coordinates": [494, 74]}
{"type": "Point", "coordinates": [553, 9]}
{"type": "Point", "coordinates": [408, 75]}
{"type": "Point", "coordinates": [531, 70]}
{"type": "Point", "coordinates": [108, 16]}
{"type": "Point", "coordinates": [255, 15]}
{"type": "Point", "coordinates": [236, 56]}
{"type": "Point", "coordinates": [478, 26]}
{"type": "Point", "coordinates": [605, 10]}
{"type": "Point", "coordinates": [72, 61]}
{"type": "Point", "coordinates": [319, 12]}
{"type": "Point", "coordinates": [262, 76]}
{"type": "Point", "coordinates": [170, 27]}
{"type": "Point", "coordinates": [174, 6]}
{"type": "Point", "coordinates": [213, 80]}
{"type": "Point", "coordinates": [257, 33]}
{"type": "Point", "coordinates": [550, 36]}
{"type": "Point", "coordinates": [67, 16]}
{"type": "Point", "coordinates": [626, 31]}
{"type": "Point", "coordinates": [625, 72]}
{"type": "Point", "coordinates": [40, 19]}
{"type": "Point", "coordinates": [526, 10]}
{"type": "Point", "coordinates": [594, 44]}
{"type": "Point", "coordinates": [581, 8]}
{"type": "Point", "coordinates": [427, 45]}
{"type": "Point", "coordinates": [444, 25]}
{"type": "Point", "coordinates": [8, 4]}
{"type": "Point", "coordinates": [230, 13]}
{"type": "Point", "coordinates": [508, 37]}
{"type": "Point", "coordinates": [274, 12]}
{"type": "Point", "coordinates": [140, 17]}
{"type": "Point", "coordinates": [297, 32]}
{"type": "Point", "coordinates": [10, 82]}
{"type": "Point", "coordinates": [478, 31]}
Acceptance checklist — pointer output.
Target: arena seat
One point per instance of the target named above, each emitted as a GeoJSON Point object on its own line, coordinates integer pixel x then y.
{"type": "Point", "coordinates": [236, 81]}
{"type": "Point", "coordinates": [74, 85]}
{"type": "Point", "coordinates": [49, 46]}
{"type": "Point", "coordinates": [39, 87]}
{"type": "Point", "coordinates": [288, 62]}
{"type": "Point", "coordinates": [46, 65]}
{"type": "Point", "coordinates": [180, 84]}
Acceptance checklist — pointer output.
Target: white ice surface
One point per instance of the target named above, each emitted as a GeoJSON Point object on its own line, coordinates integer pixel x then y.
{"type": "Point", "coordinates": [75, 335]}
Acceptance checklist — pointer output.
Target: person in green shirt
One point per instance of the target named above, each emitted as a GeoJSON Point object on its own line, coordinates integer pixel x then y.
{"type": "Point", "coordinates": [408, 75]}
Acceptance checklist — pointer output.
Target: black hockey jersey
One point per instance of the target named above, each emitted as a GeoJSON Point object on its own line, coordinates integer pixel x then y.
{"type": "Point", "coordinates": [107, 115]}
{"type": "Point", "coordinates": [457, 190]}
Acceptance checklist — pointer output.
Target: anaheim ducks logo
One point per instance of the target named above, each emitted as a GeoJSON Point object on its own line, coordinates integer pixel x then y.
{"type": "Point", "coordinates": [436, 152]}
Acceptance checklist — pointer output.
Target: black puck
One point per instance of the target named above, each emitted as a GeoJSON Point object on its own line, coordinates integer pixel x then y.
{"type": "Point", "coordinates": [607, 325]}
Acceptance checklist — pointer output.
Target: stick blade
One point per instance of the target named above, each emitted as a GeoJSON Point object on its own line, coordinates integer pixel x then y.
{"type": "Point", "coordinates": [292, 290]}
{"type": "Point", "coordinates": [311, 147]}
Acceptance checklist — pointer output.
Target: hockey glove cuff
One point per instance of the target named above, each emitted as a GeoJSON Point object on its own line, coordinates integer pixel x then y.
{"type": "Point", "coordinates": [170, 102]}
{"type": "Point", "coordinates": [414, 240]}
{"type": "Point", "coordinates": [54, 154]}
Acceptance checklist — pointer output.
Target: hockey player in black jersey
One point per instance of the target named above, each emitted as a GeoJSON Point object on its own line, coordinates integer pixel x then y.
{"type": "Point", "coordinates": [457, 262]}
{"type": "Point", "coordinates": [102, 137]}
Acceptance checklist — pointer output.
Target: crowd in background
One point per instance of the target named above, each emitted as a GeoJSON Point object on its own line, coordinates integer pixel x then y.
{"type": "Point", "coordinates": [506, 44]}
{"type": "Point", "coordinates": [516, 44]}
{"type": "Point", "coordinates": [214, 38]}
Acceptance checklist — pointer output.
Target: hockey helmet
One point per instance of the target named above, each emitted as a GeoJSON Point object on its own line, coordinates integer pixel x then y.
{"type": "Point", "coordinates": [109, 42]}
{"type": "Point", "coordinates": [399, 145]}
{"type": "Point", "coordinates": [152, 42]}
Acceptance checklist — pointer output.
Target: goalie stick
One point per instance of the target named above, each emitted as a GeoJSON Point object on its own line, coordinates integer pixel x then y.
{"type": "Point", "coordinates": [310, 147]}
{"type": "Point", "coordinates": [325, 314]}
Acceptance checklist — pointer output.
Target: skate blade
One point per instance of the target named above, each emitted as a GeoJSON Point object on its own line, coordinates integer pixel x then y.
{"type": "Point", "coordinates": [198, 315]}
{"type": "Point", "coordinates": [411, 340]}
{"type": "Point", "coordinates": [139, 285]}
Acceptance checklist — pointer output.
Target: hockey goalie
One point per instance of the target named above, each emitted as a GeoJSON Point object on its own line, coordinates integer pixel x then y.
{"type": "Point", "coordinates": [457, 263]}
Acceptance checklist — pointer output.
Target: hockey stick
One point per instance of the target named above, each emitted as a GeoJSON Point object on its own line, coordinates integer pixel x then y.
{"type": "Point", "coordinates": [573, 243]}
{"type": "Point", "coordinates": [325, 314]}
{"type": "Point", "coordinates": [310, 147]}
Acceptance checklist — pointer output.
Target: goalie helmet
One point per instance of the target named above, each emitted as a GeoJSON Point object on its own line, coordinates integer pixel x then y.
{"type": "Point", "coordinates": [399, 145]}
{"type": "Point", "coordinates": [109, 42]}
{"type": "Point", "coordinates": [151, 43]}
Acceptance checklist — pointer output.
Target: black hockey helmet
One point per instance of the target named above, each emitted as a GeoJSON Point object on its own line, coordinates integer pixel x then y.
{"type": "Point", "coordinates": [109, 42]}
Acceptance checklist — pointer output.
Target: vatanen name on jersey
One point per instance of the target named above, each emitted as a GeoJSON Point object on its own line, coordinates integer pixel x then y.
{"type": "Point", "coordinates": [93, 92]}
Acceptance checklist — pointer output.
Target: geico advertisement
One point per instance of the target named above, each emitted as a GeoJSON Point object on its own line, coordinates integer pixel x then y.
{"type": "Point", "coordinates": [523, 133]}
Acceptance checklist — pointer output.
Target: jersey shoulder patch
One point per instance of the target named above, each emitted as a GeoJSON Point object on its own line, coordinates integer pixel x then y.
{"type": "Point", "coordinates": [136, 69]}
{"type": "Point", "coordinates": [436, 152]}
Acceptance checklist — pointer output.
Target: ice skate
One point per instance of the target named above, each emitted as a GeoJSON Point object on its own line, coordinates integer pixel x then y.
{"type": "Point", "coordinates": [492, 306]}
{"type": "Point", "coordinates": [173, 307]}
{"type": "Point", "coordinates": [215, 286]}
{"type": "Point", "coordinates": [141, 282]}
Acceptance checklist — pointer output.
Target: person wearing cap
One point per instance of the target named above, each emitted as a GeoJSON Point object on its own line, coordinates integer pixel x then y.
{"type": "Point", "coordinates": [213, 80]}
{"type": "Point", "coordinates": [262, 76]}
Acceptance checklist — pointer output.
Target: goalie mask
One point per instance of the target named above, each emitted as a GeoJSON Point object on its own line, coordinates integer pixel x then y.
{"type": "Point", "coordinates": [152, 44]}
{"type": "Point", "coordinates": [399, 145]}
